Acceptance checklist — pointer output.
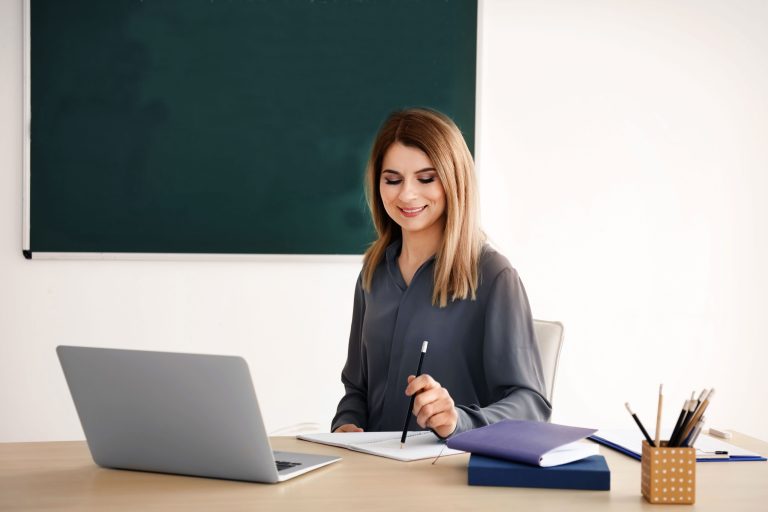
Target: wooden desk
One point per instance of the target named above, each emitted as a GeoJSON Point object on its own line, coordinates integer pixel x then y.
{"type": "Point", "coordinates": [62, 476]}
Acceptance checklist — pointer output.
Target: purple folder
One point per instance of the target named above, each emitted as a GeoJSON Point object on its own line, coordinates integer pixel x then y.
{"type": "Point", "coordinates": [518, 440]}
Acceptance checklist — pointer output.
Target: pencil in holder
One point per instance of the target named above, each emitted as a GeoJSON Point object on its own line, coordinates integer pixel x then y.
{"type": "Point", "coordinates": [668, 475]}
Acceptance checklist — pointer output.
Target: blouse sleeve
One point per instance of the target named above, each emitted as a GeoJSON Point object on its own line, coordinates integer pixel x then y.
{"type": "Point", "coordinates": [511, 360]}
{"type": "Point", "coordinates": [353, 406]}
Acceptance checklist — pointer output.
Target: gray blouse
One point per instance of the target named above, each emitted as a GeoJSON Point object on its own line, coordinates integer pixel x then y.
{"type": "Point", "coordinates": [482, 351]}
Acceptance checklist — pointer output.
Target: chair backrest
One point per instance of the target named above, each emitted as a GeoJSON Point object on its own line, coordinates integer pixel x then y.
{"type": "Point", "coordinates": [549, 336]}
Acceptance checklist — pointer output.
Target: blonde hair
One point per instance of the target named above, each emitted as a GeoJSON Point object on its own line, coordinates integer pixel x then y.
{"type": "Point", "coordinates": [456, 262]}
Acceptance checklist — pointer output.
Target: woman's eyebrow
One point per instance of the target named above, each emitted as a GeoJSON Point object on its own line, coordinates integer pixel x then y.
{"type": "Point", "coordinates": [426, 169]}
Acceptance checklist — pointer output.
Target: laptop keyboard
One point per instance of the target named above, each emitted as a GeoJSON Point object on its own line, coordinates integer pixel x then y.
{"type": "Point", "coordinates": [281, 464]}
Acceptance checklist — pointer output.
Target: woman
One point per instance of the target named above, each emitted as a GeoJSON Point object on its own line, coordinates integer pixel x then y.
{"type": "Point", "coordinates": [430, 276]}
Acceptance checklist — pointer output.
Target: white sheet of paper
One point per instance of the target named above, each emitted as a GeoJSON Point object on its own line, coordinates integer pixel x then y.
{"type": "Point", "coordinates": [570, 452]}
{"type": "Point", "coordinates": [418, 445]}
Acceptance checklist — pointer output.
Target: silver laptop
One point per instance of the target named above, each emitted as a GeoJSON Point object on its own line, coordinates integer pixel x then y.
{"type": "Point", "coordinates": [187, 414]}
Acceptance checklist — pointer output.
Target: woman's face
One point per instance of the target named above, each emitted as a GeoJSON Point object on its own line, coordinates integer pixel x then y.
{"type": "Point", "coordinates": [411, 190]}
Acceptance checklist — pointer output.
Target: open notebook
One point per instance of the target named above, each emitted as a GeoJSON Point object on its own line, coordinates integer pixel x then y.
{"type": "Point", "coordinates": [418, 445]}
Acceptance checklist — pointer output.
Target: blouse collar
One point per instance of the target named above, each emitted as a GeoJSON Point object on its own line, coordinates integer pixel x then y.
{"type": "Point", "coordinates": [392, 252]}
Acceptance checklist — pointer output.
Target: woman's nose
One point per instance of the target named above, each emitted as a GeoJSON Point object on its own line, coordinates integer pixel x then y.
{"type": "Point", "coordinates": [408, 191]}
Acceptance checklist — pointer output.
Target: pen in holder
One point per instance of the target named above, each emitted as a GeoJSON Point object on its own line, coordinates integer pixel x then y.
{"type": "Point", "coordinates": [668, 475]}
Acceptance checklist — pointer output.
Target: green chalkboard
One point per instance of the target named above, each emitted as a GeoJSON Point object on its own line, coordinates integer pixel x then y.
{"type": "Point", "coordinates": [240, 126]}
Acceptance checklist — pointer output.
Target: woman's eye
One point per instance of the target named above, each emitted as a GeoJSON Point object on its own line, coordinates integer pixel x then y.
{"type": "Point", "coordinates": [427, 180]}
{"type": "Point", "coordinates": [392, 182]}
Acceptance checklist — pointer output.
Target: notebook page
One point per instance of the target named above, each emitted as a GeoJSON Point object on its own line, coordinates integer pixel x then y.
{"type": "Point", "coordinates": [570, 452]}
{"type": "Point", "coordinates": [418, 445]}
{"type": "Point", "coordinates": [346, 439]}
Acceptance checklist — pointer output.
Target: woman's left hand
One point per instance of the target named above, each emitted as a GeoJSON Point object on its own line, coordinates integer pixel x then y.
{"type": "Point", "coordinates": [433, 405]}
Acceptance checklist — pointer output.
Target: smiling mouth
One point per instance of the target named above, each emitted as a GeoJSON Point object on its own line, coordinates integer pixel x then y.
{"type": "Point", "coordinates": [412, 212]}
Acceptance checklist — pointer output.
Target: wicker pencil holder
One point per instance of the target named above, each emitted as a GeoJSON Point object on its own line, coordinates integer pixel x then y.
{"type": "Point", "coordinates": [668, 475]}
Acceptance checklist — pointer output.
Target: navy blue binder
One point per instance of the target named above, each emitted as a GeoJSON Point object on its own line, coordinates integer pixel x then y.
{"type": "Point", "coordinates": [591, 473]}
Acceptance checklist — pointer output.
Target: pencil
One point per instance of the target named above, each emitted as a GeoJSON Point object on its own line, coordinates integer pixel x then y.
{"type": "Point", "coordinates": [690, 406]}
{"type": "Point", "coordinates": [694, 433]}
{"type": "Point", "coordinates": [693, 408]}
{"type": "Point", "coordinates": [658, 415]}
{"type": "Point", "coordinates": [698, 414]}
{"type": "Point", "coordinates": [413, 397]}
{"type": "Point", "coordinates": [639, 424]}
{"type": "Point", "coordinates": [702, 396]}
{"type": "Point", "coordinates": [679, 422]}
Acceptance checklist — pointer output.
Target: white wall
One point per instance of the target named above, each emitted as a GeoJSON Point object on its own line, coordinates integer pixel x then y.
{"type": "Point", "coordinates": [624, 159]}
{"type": "Point", "coordinates": [622, 152]}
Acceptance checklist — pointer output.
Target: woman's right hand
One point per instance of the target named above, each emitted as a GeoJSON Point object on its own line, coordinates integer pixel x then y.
{"type": "Point", "coordinates": [349, 427]}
